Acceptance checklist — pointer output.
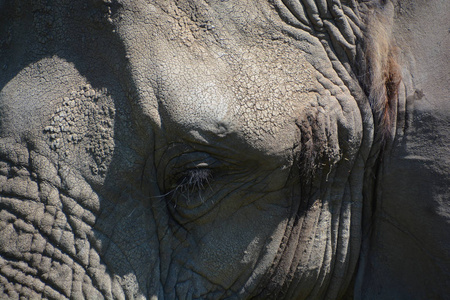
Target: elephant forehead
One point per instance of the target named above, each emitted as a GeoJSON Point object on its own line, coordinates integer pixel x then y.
{"type": "Point", "coordinates": [207, 83]}
{"type": "Point", "coordinates": [255, 95]}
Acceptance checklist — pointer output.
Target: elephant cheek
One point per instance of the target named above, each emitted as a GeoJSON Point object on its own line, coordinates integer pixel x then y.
{"type": "Point", "coordinates": [237, 253]}
{"type": "Point", "coordinates": [319, 250]}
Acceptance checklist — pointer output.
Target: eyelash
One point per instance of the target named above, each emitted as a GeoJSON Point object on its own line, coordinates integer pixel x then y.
{"type": "Point", "coordinates": [189, 186]}
{"type": "Point", "coordinates": [194, 179]}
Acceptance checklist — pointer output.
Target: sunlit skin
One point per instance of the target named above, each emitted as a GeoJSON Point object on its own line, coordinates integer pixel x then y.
{"type": "Point", "coordinates": [224, 149]}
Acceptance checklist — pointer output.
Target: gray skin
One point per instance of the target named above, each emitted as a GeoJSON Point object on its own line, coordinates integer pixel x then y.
{"type": "Point", "coordinates": [224, 149]}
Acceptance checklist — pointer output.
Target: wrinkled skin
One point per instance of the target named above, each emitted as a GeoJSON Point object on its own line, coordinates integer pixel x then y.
{"type": "Point", "coordinates": [224, 149]}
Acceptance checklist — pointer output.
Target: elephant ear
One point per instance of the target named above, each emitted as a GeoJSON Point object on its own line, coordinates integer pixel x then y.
{"type": "Point", "coordinates": [406, 253]}
{"type": "Point", "coordinates": [379, 71]}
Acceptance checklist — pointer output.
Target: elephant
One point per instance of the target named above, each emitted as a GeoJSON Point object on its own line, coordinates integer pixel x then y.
{"type": "Point", "coordinates": [224, 149]}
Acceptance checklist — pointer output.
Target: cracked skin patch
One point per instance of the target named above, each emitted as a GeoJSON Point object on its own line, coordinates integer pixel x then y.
{"type": "Point", "coordinates": [86, 116]}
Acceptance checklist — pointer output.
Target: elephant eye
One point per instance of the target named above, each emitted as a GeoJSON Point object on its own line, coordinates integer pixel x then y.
{"type": "Point", "coordinates": [195, 179]}
{"type": "Point", "coordinates": [191, 192]}
{"type": "Point", "coordinates": [189, 187]}
{"type": "Point", "coordinates": [187, 179]}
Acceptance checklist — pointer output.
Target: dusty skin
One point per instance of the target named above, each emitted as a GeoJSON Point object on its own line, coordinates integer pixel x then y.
{"type": "Point", "coordinates": [224, 149]}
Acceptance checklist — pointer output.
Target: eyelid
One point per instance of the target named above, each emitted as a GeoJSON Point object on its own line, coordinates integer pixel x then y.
{"type": "Point", "coordinates": [202, 165]}
{"type": "Point", "coordinates": [197, 176]}
{"type": "Point", "coordinates": [180, 166]}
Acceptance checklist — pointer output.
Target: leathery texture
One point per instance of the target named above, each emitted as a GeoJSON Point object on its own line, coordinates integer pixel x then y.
{"type": "Point", "coordinates": [49, 248]}
{"type": "Point", "coordinates": [65, 239]}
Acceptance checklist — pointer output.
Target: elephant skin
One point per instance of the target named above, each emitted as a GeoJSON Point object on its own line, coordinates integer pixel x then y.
{"type": "Point", "coordinates": [190, 149]}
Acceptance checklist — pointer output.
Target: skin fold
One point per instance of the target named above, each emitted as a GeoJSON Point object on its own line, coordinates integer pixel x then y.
{"type": "Point", "coordinates": [187, 149]}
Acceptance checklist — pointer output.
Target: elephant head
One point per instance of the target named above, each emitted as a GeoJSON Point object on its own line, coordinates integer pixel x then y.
{"type": "Point", "coordinates": [189, 149]}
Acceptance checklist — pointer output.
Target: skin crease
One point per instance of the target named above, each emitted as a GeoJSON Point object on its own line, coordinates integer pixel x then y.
{"type": "Point", "coordinates": [224, 149]}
